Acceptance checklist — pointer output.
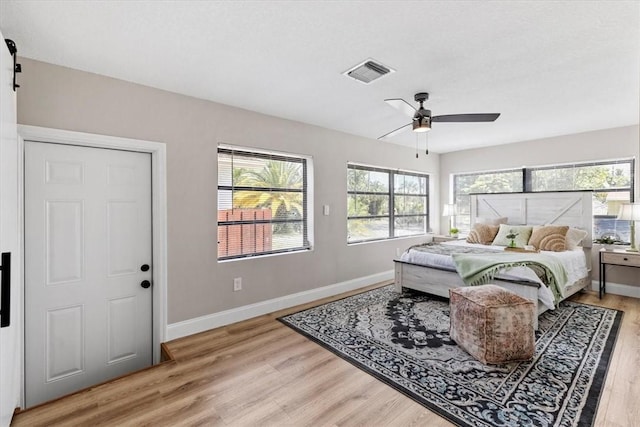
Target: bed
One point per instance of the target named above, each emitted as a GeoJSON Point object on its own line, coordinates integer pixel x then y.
{"type": "Point", "coordinates": [438, 274]}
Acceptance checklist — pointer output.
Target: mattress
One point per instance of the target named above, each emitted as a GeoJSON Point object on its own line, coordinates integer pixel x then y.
{"type": "Point", "coordinates": [574, 263]}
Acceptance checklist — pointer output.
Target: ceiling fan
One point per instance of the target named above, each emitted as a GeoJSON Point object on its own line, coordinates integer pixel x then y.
{"type": "Point", "coordinates": [422, 117]}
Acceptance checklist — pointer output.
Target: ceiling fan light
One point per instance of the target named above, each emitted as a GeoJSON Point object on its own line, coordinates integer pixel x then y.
{"type": "Point", "coordinates": [421, 124]}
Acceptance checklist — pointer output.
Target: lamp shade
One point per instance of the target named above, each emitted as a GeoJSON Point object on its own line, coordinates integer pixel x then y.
{"type": "Point", "coordinates": [449, 210]}
{"type": "Point", "coordinates": [630, 212]}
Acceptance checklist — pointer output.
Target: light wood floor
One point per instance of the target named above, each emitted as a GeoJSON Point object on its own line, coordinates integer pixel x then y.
{"type": "Point", "coordinates": [260, 372]}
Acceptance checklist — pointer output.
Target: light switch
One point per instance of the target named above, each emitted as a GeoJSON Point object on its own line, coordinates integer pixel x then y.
{"type": "Point", "coordinates": [325, 209]}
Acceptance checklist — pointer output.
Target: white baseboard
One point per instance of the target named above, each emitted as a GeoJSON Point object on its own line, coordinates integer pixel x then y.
{"type": "Point", "coordinates": [618, 289]}
{"type": "Point", "coordinates": [216, 320]}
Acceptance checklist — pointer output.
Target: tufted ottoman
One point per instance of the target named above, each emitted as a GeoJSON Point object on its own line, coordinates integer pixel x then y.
{"type": "Point", "coordinates": [492, 324]}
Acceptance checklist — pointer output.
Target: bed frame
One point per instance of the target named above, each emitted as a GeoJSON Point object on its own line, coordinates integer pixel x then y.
{"type": "Point", "coordinates": [558, 208]}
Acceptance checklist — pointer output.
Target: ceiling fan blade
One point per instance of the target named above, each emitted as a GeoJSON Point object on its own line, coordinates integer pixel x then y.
{"type": "Point", "coordinates": [401, 105]}
{"type": "Point", "coordinates": [481, 117]}
{"type": "Point", "coordinates": [396, 131]}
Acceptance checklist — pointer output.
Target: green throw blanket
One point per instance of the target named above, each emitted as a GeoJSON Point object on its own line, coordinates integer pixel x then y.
{"type": "Point", "coordinates": [479, 269]}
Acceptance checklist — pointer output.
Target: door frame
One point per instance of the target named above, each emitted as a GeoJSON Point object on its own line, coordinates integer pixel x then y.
{"type": "Point", "coordinates": [158, 214]}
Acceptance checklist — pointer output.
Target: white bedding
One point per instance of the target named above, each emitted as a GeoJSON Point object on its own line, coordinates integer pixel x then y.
{"type": "Point", "coordinates": [574, 262]}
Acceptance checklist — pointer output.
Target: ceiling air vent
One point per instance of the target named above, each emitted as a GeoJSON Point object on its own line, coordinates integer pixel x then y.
{"type": "Point", "coordinates": [368, 71]}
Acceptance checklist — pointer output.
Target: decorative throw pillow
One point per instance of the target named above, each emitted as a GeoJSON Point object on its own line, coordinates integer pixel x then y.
{"type": "Point", "coordinates": [491, 221]}
{"type": "Point", "coordinates": [521, 235]}
{"type": "Point", "coordinates": [549, 237]}
{"type": "Point", "coordinates": [483, 234]}
{"type": "Point", "coordinates": [574, 237]}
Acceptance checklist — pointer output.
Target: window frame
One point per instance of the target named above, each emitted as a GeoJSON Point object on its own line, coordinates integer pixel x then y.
{"type": "Point", "coordinates": [390, 194]}
{"type": "Point", "coordinates": [306, 164]}
{"type": "Point", "coordinates": [527, 180]}
{"type": "Point", "coordinates": [596, 217]}
{"type": "Point", "coordinates": [456, 221]}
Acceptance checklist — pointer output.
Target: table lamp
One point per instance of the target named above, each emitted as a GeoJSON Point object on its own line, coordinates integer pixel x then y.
{"type": "Point", "coordinates": [450, 210]}
{"type": "Point", "coordinates": [631, 212]}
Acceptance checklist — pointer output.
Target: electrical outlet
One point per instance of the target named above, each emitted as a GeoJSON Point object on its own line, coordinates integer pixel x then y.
{"type": "Point", "coordinates": [237, 284]}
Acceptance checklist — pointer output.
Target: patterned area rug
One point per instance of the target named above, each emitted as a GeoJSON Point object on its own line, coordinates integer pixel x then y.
{"type": "Point", "coordinates": [403, 340]}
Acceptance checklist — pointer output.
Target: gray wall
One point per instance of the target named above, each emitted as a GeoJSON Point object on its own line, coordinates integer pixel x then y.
{"type": "Point", "coordinates": [58, 97]}
{"type": "Point", "coordinates": [588, 146]}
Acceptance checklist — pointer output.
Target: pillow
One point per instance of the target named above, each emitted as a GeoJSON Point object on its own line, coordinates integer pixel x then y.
{"type": "Point", "coordinates": [483, 234]}
{"type": "Point", "coordinates": [549, 237]}
{"type": "Point", "coordinates": [523, 232]}
{"type": "Point", "coordinates": [573, 239]}
{"type": "Point", "coordinates": [491, 221]}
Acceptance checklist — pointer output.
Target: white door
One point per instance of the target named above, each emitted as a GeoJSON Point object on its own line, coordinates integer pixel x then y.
{"type": "Point", "coordinates": [9, 335]}
{"type": "Point", "coordinates": [87, 267]}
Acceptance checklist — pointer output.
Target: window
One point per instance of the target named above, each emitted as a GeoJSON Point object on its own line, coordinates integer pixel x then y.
{"type": "Point", "coordinates": [384, 204]}
{"type": "Point", "coordinates": [611, 182]}
{"type": "Point", "coordinates": [507, 181]}
{"type": "Point", "coordinates": [262, 203]}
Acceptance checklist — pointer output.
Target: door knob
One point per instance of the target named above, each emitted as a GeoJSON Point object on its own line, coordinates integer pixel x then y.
{"type": "Point", "coordinates": [145, 284]}
{"type": "Point", "coordinates": [144, 267]}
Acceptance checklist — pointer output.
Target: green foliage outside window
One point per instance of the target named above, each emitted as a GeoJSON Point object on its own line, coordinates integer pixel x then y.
{"type": "Point", "coordinates": [385, 203]}
{"type": "Point", "coordinates": [610, 181]}
{"type": "Point", "coordinates": [591, 177]}
{"type": "Point", "coordinates": [509, 181]}
{"type": "Point", "coordinates": [274, 174]}
{"type": "Point", "coordinates": [262, 200]}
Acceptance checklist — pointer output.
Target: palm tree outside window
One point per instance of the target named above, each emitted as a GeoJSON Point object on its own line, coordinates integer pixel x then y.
{"type": "Point", "coordinates": [262, 203]}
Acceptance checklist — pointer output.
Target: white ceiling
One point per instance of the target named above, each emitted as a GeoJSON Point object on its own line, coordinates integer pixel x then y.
{"type": "Point", "coordinates": [550, 67]}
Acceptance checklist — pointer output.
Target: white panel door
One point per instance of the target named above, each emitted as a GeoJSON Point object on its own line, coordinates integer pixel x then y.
{"type": "Point", "coordinates": [87, 237]}
{"type": "Point", "coordinates": [9, 335]}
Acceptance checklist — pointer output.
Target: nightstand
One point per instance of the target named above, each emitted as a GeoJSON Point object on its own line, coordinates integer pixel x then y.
{"type": "Point", "coordinates": [440, 239]}
{"type": "Point", "coordinates": [616, 257]}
